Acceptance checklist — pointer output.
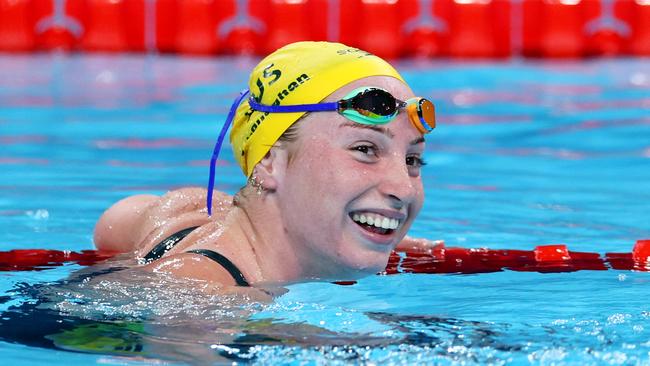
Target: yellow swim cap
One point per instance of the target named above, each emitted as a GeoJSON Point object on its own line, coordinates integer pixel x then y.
{"type": "Point", "coordinates": [299, 73]}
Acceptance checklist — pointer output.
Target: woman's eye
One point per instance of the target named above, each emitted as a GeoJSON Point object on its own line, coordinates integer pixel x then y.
{"type": "Point", "coordinates": [365, 149]}
{"type": "Point", "coordinates": [415, 161]}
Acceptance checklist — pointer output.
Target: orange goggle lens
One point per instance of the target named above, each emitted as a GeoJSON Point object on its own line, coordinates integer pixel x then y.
{"type": "Point", "coordinates": [422, 114]}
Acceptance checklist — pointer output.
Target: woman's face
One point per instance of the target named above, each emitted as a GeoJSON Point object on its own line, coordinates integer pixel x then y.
{"type": "Point", "coordinates": [341, 174]}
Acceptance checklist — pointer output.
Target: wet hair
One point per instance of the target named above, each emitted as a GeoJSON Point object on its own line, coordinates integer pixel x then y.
{"type": "Point", "coordinates": [291, 134]}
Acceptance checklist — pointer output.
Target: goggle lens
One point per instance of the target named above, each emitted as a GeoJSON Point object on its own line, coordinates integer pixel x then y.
{"type": "Point", "coordinates": [422, 114]}
{"type": "Point", "coordinates": [373, 102]}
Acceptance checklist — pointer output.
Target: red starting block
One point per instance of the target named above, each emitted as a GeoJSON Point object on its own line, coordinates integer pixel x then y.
{"type": "Point", "coordinates": [607, 28]}
{"type": "Point", "coordinates": [554, 28]}
{"type": "Point", "coordinates": [196, 27]}
{"type": "Point", "coordinates": [479, 28]}
{"type": "Point", "coordinates": [373, 26]}
{"type": "Point", "coordinates": [640, 38]}
{"type": "Point", "coordinates": [288, 21]}
{"type": "Point", "coordinates": [16, 26]}
{"type": "Point", "coordinates": [425, 29]}
{"type": "Point", "coordinates": [106, 23]}
{"type": "Point", "coordinates": [563, 32]}
{"type": "Point", "coordinates": [59, 24]}
{"type": "Point", "coordinates": [242, 30]}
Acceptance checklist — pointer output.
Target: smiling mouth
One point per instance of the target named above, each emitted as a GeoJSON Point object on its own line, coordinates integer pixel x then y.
{"type": "Point", "coordinates": [375, 223]}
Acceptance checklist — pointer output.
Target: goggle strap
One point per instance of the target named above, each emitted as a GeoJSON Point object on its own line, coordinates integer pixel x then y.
{"type": "Point", "coordinates": [217, 146]}
{"type": "Point", "coordinates": [319, 107]}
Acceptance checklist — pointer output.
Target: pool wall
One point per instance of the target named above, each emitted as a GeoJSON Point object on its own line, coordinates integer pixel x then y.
{"type": "Point", "coordinates": [388, 28]}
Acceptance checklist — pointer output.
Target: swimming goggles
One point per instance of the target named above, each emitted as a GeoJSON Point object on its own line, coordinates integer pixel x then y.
{"type": "Point", "coordinates": [366, 105]}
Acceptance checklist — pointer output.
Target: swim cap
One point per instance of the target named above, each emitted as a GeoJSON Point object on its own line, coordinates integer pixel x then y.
{"type": "Point", "coordinates": [299, 73]}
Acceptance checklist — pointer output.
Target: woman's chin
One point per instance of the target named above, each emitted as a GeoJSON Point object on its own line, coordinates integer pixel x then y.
{"type": "Point", "coordinates": [364, 267]}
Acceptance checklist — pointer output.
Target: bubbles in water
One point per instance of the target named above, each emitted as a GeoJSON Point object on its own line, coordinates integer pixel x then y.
{"type": "Point", "coordinates": [40, 214]}
{"type": "Point", "coordinates": [618, 318]}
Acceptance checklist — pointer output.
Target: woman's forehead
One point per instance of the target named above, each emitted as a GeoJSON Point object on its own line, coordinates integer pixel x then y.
{"type": "Point", "coordinates": [394, 86]}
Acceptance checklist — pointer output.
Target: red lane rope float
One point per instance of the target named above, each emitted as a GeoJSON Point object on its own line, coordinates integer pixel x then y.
{"type": "Point", "coordinates": [437, 259]}
{"type": "Point", "coordinates": [40, 259]}
{"type": "Point", "coordinates": [544, 259]}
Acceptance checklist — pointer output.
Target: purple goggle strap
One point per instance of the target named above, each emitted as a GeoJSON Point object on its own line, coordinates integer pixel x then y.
{"type": "Point", "coordinates": [318, 107]}
{"type": "Point", "coordinates": [217, 146]}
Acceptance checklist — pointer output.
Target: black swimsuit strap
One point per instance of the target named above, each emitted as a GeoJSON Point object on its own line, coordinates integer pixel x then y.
{"type": "Point", "coordinates": [225, 263]}
{"type": "Point", "coordinates": [166, 245]}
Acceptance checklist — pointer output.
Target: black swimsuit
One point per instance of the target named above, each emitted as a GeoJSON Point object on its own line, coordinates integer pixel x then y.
{"type": "Point", "coordinates": [166, 245]}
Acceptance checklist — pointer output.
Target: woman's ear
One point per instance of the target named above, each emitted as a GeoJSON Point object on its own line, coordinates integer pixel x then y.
{"type": "Point", "coordinates": [269, 172]}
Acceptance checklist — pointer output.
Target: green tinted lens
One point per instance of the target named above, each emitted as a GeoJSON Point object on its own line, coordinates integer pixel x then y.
{"type": "Point", "coordinates": [369, 106]}
{"type": "Point", "coordinates": [365, 119]}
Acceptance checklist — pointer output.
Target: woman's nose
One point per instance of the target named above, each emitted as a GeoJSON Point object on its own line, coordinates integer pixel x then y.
{"type": "Point", "coordinates": [398, 185]}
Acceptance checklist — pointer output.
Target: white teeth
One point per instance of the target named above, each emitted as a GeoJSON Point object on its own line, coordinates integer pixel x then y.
{"type": "Point", "coordinates": [385, 223]}
{"type": "Point", "coordinates": [395, 224]}
{"type": "Point", "coordinates": [376, 220]}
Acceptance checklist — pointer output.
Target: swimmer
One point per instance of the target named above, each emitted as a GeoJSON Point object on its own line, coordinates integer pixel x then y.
{"type": "Point", "coordinates": [331, 140]}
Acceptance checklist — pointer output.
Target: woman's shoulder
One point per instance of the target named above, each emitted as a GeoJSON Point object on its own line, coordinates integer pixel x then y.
{"type": "Point", "coordinates": [138, 223]}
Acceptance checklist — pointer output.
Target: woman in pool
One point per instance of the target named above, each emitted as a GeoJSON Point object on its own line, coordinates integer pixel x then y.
{"type": "Point", "coordinates": [329, 195]}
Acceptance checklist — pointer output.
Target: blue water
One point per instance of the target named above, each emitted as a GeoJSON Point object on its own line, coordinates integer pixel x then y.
{"type": "Point", "coordinates": [526, 153]}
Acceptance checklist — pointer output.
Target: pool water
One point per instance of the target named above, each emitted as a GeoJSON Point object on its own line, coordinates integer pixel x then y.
{"type": "Point", "coordinates": [525, 153]}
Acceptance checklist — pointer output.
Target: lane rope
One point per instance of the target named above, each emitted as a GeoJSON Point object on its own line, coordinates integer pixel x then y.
{"type": "Point", "coordinates": [435, 259]}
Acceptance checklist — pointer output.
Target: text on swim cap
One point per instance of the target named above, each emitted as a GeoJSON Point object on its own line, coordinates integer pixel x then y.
{"type": "Point", "coordinates": [268, 73]}
{"type": "Point", "coordinates": [281, 95]}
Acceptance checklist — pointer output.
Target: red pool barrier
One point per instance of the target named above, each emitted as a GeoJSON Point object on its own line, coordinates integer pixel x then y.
{"type": "Point", "coordinates": [553, 28]}
{"type": "Point", "coordinates": [196, 27]}
{"type": "Point", "coordinates": [425, 29]}
{"type": "Point", "coordinates": [479, 28]}
{"type": "Point", "coordinates": [638, 260]}
{"type": "Point", "coordinates": [16, 26]}
{"type": "Point", "coordinates": [639, 44]}
{"type": "Point", "coordinates": [543, 259]}
{"type": "Point", "coordinates": [59, 25]}
{"type": "Point", "coordinates": [242, 30]}
{"type": "Point", "coordinates": [388, 28]}
{"type": "Point", "coordinates": [40, 259]}
{"type": "Point", "coordinates": [436, 259]}
{"type": "Point", "coordinates": [106, 22]}
{"type": "Point", "coordinates": [608, 28]}
{"type": "Point", "coordinates": [373, 26]}
{"type": "Point", "coordinates": [287, 22]}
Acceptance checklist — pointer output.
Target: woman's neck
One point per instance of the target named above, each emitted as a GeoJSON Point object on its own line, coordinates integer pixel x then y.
{"type": "Point", "coordinates": [278, 258]}
{"type": "Point", "coordinates": [260, 228]}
